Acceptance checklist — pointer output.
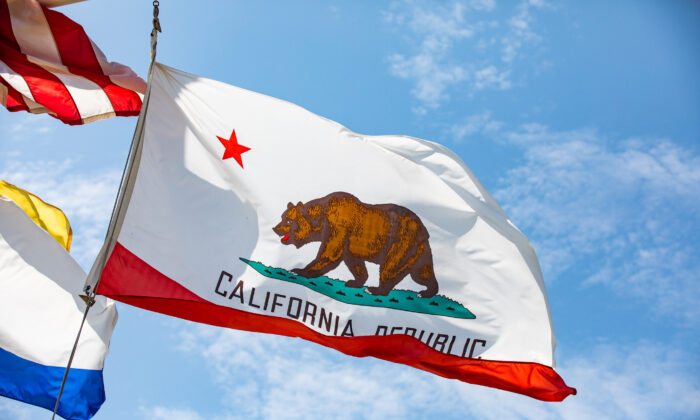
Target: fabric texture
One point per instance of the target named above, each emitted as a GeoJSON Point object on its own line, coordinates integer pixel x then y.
{"type": "Point", "coordinates": [249, 212]}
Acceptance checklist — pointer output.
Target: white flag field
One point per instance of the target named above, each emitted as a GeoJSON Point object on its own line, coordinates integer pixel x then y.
{"type": "Point", "coordinates": [245, 211]}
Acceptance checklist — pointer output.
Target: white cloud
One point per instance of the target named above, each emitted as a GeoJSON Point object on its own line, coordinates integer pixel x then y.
{"type": "Point", "coordinates": [644, 381]}
{"type": "Point", "coordinates": [461, 45]}
{"type": "Point", "coordinates": [624, 214]}
{"type": "Point", "coordinates": [26, 124]}
{"type": "Point", "coordinates": [270, 377]}
{"type": "Point", "coordinates": [483, 4]}
{"type": "Point", "coordinates": [438, 29]}
{"type": "Point", "coordinates": [491, 77]}
{"type": "Point", "coordinates": [520, 31]}
{"type": "Point", "coordinates": [163, 413]}
{"type": "Point", "coordinates": [86, 198]}
{"type": "Point", "coordinates": [431, 78]}
{"type": "Point", "coordinates": [16, 411]}
{"type": "Point", "coordinates": [480, 123]}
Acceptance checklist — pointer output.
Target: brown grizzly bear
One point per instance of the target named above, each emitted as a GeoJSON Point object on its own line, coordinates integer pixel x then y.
{"type": "Point", "coordinates": [353, 232]}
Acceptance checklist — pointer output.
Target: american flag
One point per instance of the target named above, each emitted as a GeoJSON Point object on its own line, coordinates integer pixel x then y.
{"type": "Point", "coordinates": [49, 64]}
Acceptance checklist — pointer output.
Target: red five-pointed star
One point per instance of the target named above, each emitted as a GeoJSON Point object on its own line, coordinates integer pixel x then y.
{"type": "Point", "coordinates": [233, 149]}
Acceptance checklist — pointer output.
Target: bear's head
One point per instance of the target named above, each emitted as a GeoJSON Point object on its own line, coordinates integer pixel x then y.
{"type": "Point", "coordinates": [296, 226]}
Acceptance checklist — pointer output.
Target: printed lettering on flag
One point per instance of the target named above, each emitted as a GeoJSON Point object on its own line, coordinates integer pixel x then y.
{"type": "Point", "coordinates": [249, 212]}
{"type": "Point", "coordinates": [49, 64]}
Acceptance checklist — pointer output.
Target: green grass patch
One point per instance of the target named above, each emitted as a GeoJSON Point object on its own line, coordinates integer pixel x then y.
{"type": "Point", "coordinates": [404, 300]}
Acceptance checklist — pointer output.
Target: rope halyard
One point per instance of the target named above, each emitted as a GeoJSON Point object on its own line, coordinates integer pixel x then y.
{"type": "Point", "coordinates": [156, 29]}
{"type": "Point", "coordinates": [90, 292]}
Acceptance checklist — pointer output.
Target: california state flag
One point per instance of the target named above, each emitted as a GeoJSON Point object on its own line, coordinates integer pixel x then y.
{"type": "Point", "coordinates": [249, 212]}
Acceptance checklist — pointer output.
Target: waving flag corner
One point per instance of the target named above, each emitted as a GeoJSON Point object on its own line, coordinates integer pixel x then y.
{"type": "Point", "coordinates": [48, 64]}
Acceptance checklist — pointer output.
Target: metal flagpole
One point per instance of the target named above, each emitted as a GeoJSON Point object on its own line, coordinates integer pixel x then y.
{"type": "Point", "coordinates": [90, 292]}
{"type": "Point", "coordinates": [89, 302]}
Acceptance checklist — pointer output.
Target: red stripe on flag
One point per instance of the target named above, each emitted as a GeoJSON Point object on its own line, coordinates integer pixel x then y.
{"type": "Point", "coordinates": [77, 54]}
{"type": "Point", "coordinates": [15, 101]}
{"type": "Point", "coordinates": [129, 279]}
{"type": "Point", "coordinates": [7, 37]}
{"type": "Point", "coordinates": [46, 88]}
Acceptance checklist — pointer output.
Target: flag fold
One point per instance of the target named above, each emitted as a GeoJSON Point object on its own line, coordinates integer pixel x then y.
{"type": "Point", "coordinates": [48, 217]}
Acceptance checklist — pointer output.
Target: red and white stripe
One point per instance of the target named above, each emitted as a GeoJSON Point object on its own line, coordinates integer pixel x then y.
{"type": "Point", "coordinates": [49, 64]}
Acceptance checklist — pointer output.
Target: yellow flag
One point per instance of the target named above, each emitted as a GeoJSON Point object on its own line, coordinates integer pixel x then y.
{"type": "Point", "coordinates": [49, 217]}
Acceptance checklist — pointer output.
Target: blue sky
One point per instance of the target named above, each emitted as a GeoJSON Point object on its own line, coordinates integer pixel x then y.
{"type": "Point", "coordinates": [581, 118]}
